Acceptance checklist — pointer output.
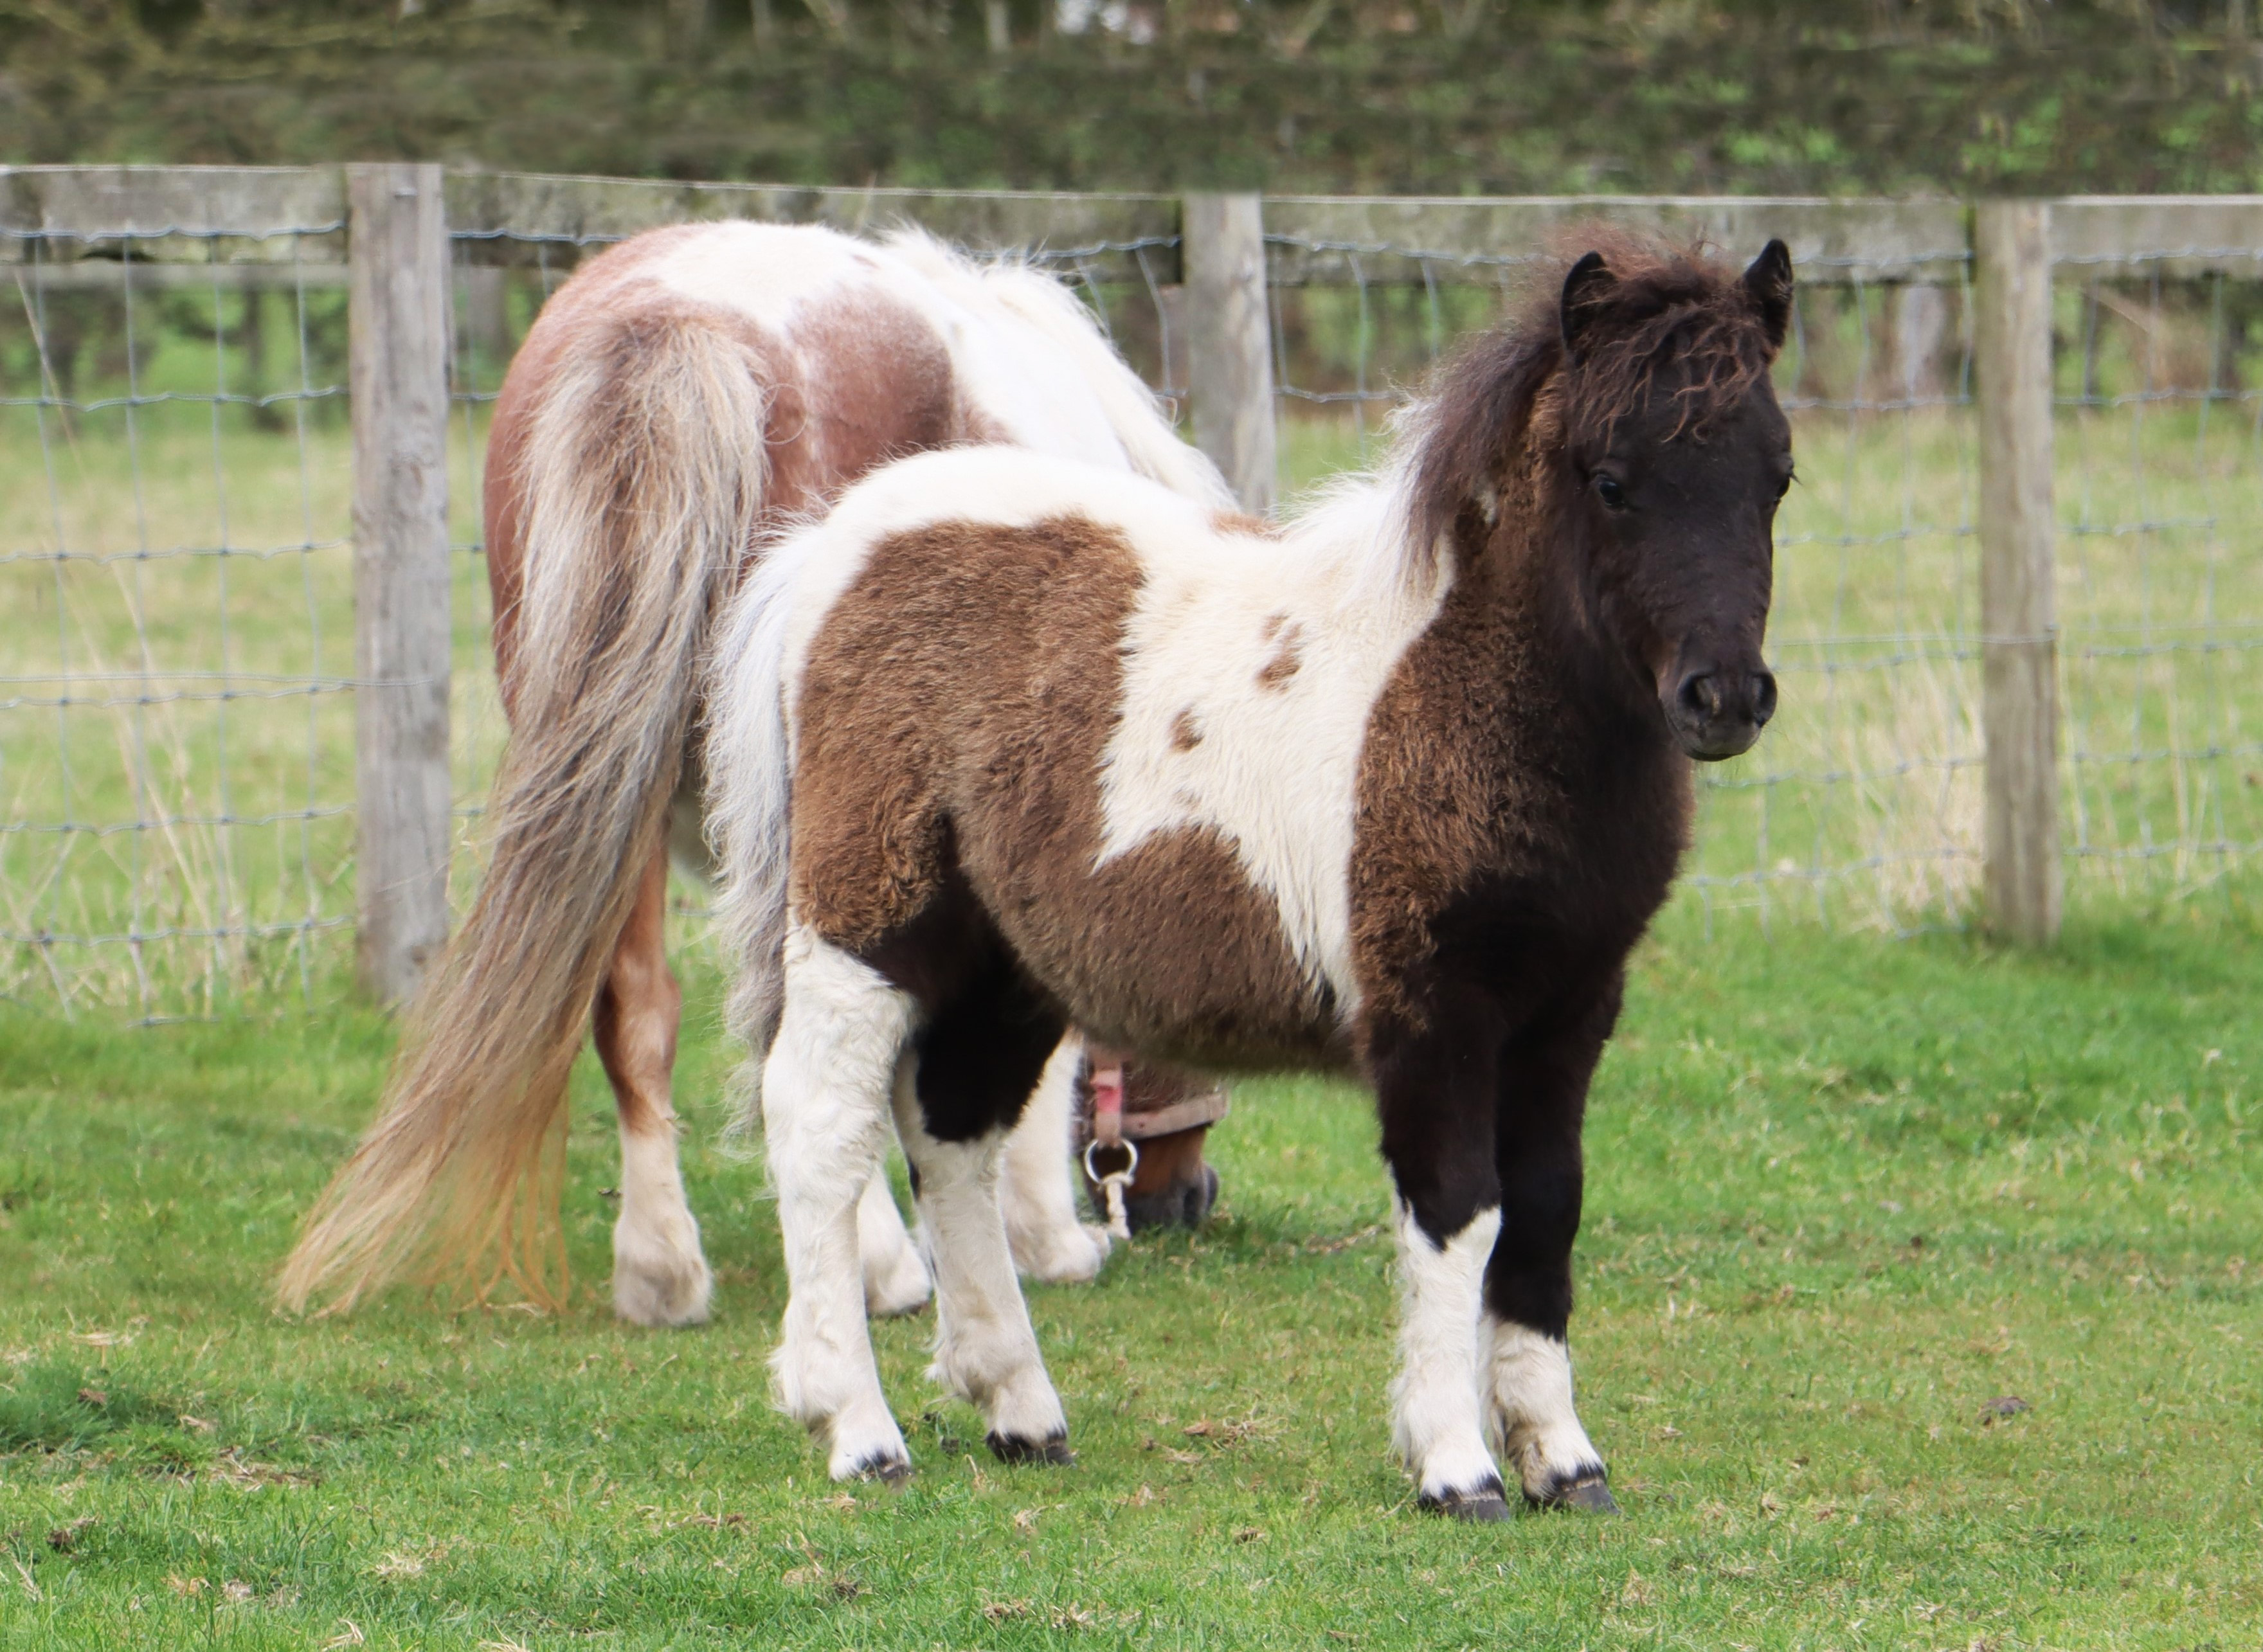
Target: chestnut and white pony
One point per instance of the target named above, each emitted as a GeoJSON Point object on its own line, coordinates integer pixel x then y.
{"type": "Point", "coordinates": [1008, 740]}
{"type": "Point", "coordinates": [679, 399]}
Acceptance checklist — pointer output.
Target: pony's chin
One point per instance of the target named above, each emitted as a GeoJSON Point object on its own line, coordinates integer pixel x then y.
{"type": "Point", "coordinates": [1716, 746]}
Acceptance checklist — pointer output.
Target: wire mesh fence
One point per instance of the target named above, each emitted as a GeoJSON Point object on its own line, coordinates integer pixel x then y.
{"type": "Point", "coordinates": [176, 655]}
{"type": "Point", "coordinates": [176, 726]}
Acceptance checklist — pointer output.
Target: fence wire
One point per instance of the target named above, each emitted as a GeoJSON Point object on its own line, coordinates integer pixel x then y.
{"type": "Point", "coordinates": [175, 729]}
{"type": "Point", "coordinates": [177, 725]}
{"type": "Point", "coordinates": [1862, 805]}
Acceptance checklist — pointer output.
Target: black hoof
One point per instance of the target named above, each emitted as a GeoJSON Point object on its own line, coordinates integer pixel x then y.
{"type": "Point", "coordinates": [1589, 1492]}
{"type": "Point", "coordinates": [889, 1471]}
{"type": "Point", "coordinates": [1481, 1505]}
{"type": "Point", "coordinates": [1007, 1448]}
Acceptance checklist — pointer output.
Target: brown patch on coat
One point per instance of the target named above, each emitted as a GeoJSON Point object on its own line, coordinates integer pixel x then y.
{"type": "Point", "coordinates": [1186, 734]}
{"type": "Point", "coordinates": [1288, 656]}
{"type": "Point", "coordinates": [954, 710]}
{"type": "Point", "coordinates": [879, 386]}
{"type": "Point", "coordinates": [1440, 787]}
{"type": "Point", "coordinates": [1242, 523]}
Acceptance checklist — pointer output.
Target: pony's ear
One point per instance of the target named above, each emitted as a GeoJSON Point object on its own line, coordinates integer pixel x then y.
{"type": "Point", "coordinates": [1769, 285]}
{"type": "Point", "coordinates": [1586, 286]}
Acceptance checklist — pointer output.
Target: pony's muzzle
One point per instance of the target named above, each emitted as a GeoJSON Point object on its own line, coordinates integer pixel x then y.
{"type": "Point", "coordinates": [1717, 712]}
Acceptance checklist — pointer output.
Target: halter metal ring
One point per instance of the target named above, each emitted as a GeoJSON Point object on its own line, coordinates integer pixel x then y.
{"type": "Point", "coordinates": [1130, 1162]}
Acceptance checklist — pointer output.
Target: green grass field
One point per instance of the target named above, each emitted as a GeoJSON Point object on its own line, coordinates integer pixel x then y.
{"type": "Point", "coordinates": [1846, 1195]}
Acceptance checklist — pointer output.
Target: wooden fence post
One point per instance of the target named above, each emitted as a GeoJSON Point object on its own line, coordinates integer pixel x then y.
{"type": "Point", "coordinates": [1230, 341]}
{"type": "Point", "coordinates": [2012, 364]}
{"type": "Point", "coordinates": [398, 377]}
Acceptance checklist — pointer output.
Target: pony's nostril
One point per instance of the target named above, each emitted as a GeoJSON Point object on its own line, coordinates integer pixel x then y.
{"type": "Point", "coordinates": [1763, 696]}
{"type": "Point", "coordinates": [1700, 695]}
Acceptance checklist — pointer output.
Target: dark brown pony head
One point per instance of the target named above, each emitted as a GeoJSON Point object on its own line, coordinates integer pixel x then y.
{"type": "Point", "coordinates": [1630, 430]}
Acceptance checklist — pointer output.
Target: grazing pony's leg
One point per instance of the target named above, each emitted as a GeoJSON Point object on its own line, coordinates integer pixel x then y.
{"type": "Point", "coordinates": [978, 1059]}
{"type": "Point", "coordinates": [842, 1033]}
{"type": "Point", "coordinates": [895, 1279]}
{"type": "Point", "coordinates": [660, 1278]}
{"type": "Point", "coordinates": [1049, 1241]}
{"type": "Point", "coordinates": [1543, 1094]}
{"type": "Point", "coordinates": [1435, 1089]}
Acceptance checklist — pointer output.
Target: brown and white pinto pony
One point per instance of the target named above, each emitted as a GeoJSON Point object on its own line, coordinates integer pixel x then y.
{"type": "Point", "coordinates": [683, 395]}
{"type": "Point", "coordinates": [1007, 743]}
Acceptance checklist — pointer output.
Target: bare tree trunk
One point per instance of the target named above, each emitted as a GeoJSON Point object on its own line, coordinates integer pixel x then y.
{"type": "Point", "coordinates": [765, 23]}
{"type": "Point", "coordinates": [998, 26]}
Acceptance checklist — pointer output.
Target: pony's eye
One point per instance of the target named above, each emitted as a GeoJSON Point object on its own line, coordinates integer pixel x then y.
{"type": "Point", "coordinates": [1609, 490]}
{"type": "Point", "coordinates": [1783, 488]}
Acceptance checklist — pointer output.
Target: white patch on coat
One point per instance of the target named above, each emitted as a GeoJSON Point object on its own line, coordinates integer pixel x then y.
{"type": "Point", "coordinates": [1274, 767]}
{"type": "Point", "coordinates": [1528, 1393]}
{"type": "Point", "coordinates": [986, 1351]}
{"type": "Point", "coordinates": [1438, 1418]}
{"type": "Point", "coordinates": [825, 1090]}
{"type": "Point", "coordinates": [1025, 357]}
{"type": "Point", "coordinates": [660, 1278]}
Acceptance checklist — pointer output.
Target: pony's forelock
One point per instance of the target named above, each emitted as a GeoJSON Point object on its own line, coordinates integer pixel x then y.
{"type": "Point", "coordinates": [1668, 309]}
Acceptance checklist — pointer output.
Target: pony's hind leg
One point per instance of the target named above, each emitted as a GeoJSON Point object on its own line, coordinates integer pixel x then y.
{"type": "Point", "coordinates": [1049, 1240]}
{"type": "Point", "coordinates": [1529, 1282]}
{"type": "Point", "coordinates": [1435, 1090]}
{"type": "Point", "coordinates": [977, 1062]}
{"type": "Point", "coordinates": [842, 1035]}
{"type": "Point", "coordinates": [660, 1278]}
{"type": "Point", "coordinates": [895, 1279]}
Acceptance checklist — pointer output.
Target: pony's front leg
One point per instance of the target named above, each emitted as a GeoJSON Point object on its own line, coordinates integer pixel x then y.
{"type": "Point", "coordinates": [842, 1034]}
{"type": "Point", "coordinates": [1543, 1102]}
{"type": "Point", "coordinates": [1435, 1090]}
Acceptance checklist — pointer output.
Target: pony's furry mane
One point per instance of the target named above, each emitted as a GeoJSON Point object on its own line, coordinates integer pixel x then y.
{"type": "Point", "coordinates": [1668, 308]}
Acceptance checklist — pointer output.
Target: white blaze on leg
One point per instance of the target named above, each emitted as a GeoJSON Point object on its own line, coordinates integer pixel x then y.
{"type": "Point", "coordinates": [1530, 1393]}
{"type": "Point", "coordinates": [660, 1278]}
{"type": "Point", "coordinates": [1439, 1418]}
{"type": "Point", "coordinates": [825, 1097]}
{"type": "Point", "coordinates": [1042, 1228]}
{"type": "Point", "coordinates": [896, 1278]}
{"type": "Point", "coordinates": [985, 1349]}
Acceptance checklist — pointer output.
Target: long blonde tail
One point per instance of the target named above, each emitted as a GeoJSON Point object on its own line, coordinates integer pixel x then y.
{"type": "Point", "coordinates": [644, 472]}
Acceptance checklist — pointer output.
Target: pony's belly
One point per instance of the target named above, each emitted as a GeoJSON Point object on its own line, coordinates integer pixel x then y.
{"type": "Point", "coordinates": [1168, 949]}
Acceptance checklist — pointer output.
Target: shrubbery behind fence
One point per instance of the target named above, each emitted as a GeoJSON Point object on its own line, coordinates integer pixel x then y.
{"type": "Point", "coordinates": [2019, 586]}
